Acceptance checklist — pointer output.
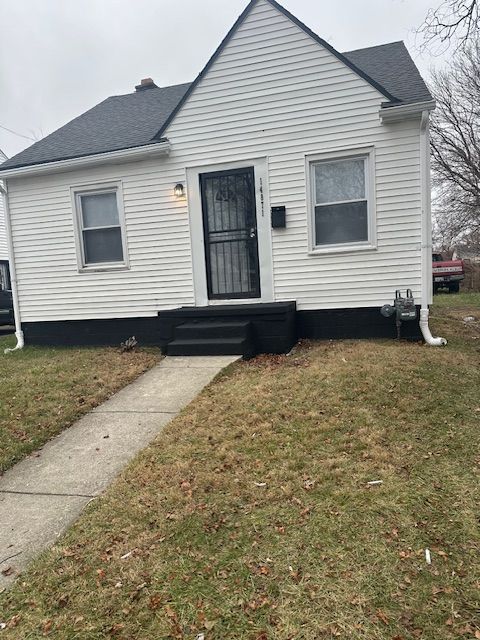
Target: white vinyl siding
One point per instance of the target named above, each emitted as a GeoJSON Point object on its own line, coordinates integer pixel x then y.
{"type": "Point", "coordinates": [160, 274]}
{"type": "Point", "coordinates": [273, 93]}
{"type": "Point", "coordinates": [3, 231]}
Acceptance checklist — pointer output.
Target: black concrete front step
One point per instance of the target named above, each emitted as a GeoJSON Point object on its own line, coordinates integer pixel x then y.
{"type": "Point", "coordinates": [210, 347]}
{"type": "Point", "coordinates": [204, 330]}
{"type": "Point", "coordinates": [272, 324]}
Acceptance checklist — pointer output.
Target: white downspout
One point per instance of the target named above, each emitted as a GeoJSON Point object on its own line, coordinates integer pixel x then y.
{"type": "Point", "coordinates": [13, 274]}
{"type": "Point", "coordinates": [427, 285]}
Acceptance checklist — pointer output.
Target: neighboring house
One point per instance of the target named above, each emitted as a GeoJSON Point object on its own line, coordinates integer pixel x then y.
{"type": "Point", "coordinates": [4, 270]}
{"type": "Point", "coordinates": [285, 192]}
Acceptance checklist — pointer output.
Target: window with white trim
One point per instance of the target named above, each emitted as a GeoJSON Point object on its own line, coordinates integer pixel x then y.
{"type": "Point", "coordinates": [101, 231]}
{"type": "Point", "coordinates": [342, 211]}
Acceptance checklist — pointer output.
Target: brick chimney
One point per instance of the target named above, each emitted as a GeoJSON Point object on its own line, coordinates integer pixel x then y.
{"type": "Point", "coordinates": [145, 83]}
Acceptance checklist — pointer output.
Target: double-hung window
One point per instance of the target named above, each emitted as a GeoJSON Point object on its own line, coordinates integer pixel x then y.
{"type": "Point", "coordinates": [101, 232]}
{"type": "Point", "coordinates": [342, 203]}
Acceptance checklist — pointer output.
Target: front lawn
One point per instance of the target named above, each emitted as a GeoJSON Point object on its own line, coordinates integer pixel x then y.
{"type": "Point", "coordinates": [251, 516]}
{"type": "Point", "coordinates": [43, 390]}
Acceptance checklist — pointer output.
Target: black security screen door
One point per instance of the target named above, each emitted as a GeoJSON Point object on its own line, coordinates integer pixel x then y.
{"type": "Point", "coordinates": [230, 228]}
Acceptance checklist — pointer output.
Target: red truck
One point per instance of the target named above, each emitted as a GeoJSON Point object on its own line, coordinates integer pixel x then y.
{"type": "Point", "coordinates": [447, 273]}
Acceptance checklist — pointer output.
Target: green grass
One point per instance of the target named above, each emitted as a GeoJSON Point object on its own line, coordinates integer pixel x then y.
{"type": "Point", "coordinates": [251, 516]}
{"type": "Point", "coordinates": [456, 300]}
{"type": "Point", "coordinates": [43, 390]}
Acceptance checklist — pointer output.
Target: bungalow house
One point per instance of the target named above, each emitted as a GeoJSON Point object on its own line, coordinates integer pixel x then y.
{"type": "Point", "coordinates": [4, 271]}
{"type": "Point", "coordinates": [284, 193]}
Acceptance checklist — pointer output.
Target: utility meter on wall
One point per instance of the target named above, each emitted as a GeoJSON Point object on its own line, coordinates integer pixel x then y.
{"type": "Point", "coordinates": [406, 309]}
{"type": "Point", "coordinates": [403, 308]}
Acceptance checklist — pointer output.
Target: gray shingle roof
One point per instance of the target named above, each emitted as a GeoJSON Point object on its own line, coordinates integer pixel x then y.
{"type": "Point", "coordinates": [119, 122]}
{"type": "Point", "coordinates": [132, 120]}
{"type": "Point", "coordinates": [392, 66]}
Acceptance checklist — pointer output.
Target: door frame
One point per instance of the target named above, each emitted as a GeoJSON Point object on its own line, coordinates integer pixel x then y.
{"type": "Point", "coordinates": [197, 238]}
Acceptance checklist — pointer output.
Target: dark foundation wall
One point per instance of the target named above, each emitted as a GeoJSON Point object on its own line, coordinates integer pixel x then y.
{"type": "Point", "coordinates": [276, 327]}
{"type": "Point", "coordinates": [273, 327]}
{"type": "Point", "coordinates": [367, 322]}
{"type": "Point", "coordinates": [109, 332]}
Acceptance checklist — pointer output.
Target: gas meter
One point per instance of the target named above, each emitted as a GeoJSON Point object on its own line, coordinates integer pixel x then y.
{"type": "Point", "coordinates": [403, 308]}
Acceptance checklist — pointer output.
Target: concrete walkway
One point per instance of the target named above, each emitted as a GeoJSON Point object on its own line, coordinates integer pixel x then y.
{"type": "Point", "coordinates": [42, 495]}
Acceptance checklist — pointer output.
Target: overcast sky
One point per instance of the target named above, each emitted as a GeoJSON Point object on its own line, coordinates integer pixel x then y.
{"type": "Point", "coordinates": [58, 58]}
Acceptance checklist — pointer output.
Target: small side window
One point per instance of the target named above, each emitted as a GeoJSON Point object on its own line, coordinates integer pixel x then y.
{"type": "Point", "coordinates": [101, 231]}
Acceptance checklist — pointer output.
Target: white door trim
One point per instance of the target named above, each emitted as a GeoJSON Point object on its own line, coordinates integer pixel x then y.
{"type": "Point", "coordinates": [194, 200]}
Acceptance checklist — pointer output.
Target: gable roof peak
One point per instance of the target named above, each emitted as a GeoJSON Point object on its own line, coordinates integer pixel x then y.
{"type": "Point", "coordinates": [391, 98]}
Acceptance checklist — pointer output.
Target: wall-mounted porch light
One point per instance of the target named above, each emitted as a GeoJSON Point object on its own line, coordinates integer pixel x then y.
{"type": "Point", "coordinates": [179, 190]}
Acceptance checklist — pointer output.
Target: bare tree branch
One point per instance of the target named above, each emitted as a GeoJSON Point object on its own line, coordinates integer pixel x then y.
{"type": "Point", "coordinates": [453, 20]}
{"type": "Point", "coordinates": [455, 143]}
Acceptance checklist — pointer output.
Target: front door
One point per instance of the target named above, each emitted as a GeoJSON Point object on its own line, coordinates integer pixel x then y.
{"type": "Point", "coordinates": [230, 231]}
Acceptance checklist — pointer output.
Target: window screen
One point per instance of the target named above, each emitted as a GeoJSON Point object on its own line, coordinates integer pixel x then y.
{"type": "Point", "coordinates": [341, 206]}
{"type": "Point", "coordinates": [100, 227]}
